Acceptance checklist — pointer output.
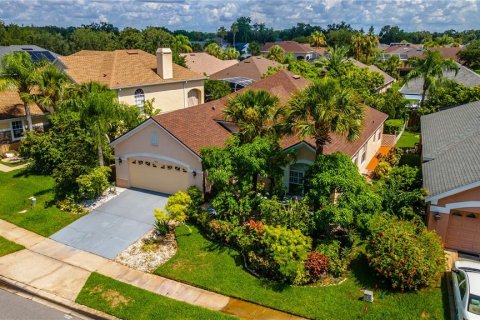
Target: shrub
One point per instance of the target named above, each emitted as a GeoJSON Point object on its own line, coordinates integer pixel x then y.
{"type": "Point", "coordinates": [294, 214]}
{"type": "Point", "coordinates": [93, 184]}
{"type": "Point", "coordinates": [196, 196]}
{"type": "Point", "coordinates": [69, 205]}
{"type": "Point", "coordinates": [175, 212]}
{"type": "Point", "coordinates": [288, 249]}
{"type": "Point", "coordinates": [407, 255]}
{"type": "Point", "coordinates": [382, 169]}
{"type": "Point", "coordinates": [393, 126]}
{"type": "Point", "coordinates": [317, 265]}
{"type": "Point", "coordinates": [161, 222]}
{"type": "Point", "coordinates": [338, 256]}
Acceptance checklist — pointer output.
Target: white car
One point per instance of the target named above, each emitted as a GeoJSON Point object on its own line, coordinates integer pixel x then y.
{"type": "Point", "coordinates": [466, 289]}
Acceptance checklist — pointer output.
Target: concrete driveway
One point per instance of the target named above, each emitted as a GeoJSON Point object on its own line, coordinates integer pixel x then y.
{"type": "Point", "coordinates": [112, 227]}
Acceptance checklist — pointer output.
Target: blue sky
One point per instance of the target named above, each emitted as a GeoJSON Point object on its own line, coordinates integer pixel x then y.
{"type": "Point", "coordinates": [411, 15]}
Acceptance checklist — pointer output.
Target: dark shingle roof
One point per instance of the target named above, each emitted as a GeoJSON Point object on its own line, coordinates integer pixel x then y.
{"type": "Point", "coordinates": [464, 76]}
{"type": "Point", "coordinates": [451, 141]}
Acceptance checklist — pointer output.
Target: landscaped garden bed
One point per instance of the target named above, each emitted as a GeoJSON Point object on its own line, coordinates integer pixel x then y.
{"type": "Point", "coordinates": [130, 303]}
{"type": "Point", "coordinates": [207, 264]}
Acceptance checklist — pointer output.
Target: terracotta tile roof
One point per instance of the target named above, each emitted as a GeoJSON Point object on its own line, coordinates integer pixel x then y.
{"type": "Point", "coordinates": [11, 106]}
{"type": "Point", "coordinates": [288, 46]}
{"type": "Point", "coordinates": [198, 126]}
{"type": "Point", "coordinates": [203, 63]}
{"type": "Point", "coordinates": [252, 68]}
{"type": "Point", "coordinates": [120, 68]}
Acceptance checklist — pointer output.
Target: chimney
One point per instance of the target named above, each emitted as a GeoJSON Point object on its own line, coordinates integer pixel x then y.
{"type": "Point", "coordinates": [164, 63]}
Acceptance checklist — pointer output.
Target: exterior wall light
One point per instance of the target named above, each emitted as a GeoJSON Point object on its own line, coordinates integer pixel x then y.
{"type": "Point", "coordinates": [437, 216]}
{"type": "Point", "coordinates": [119, 160]}
{"type": "Point", "coordinates": [194, 173]}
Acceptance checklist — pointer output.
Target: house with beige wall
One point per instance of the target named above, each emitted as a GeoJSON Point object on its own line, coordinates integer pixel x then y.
{"type": "Point", "coordinates": [163, 153]}
{"type": "Point", "coordinates": [451, 175]}
{"type": "Point", "coordinates": [137, 76]}
{"type": "Point", "coordinates": [13, 122]}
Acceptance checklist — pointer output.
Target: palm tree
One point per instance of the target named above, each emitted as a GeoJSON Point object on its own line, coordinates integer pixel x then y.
{"type": "Point", "coordinates": [19, 72]}
{"type": "Point", "coordinates": [98, 109]}
{"type": "Point", "coordinates": [369, 46]}
{"type": "Point", "coordinates": [183, 43]}
{"type": "Point", "coordinates": [323, 108]}
{"type": "Point", "coordinates": [214, 49]}
{"type": "Point", "coordinates": [336, 58]}
{"type": "Point", "coordinates": [54, 87]}
{"type": "Point", "coordinates": [234, 30]}
{"type": "Point", "coordinates": [222, 32]}
{"type": "Point", "coordinates": [256, 113]}
{"type": "Point", "coordinates": [317, 39]}
{"type": "Point", "coordinates": [231, 54]}
{"type": "Point", "coordinates": [276, 53]}
{"type": "Point", "coordinates": [432, 70]}
{"type": "Point", "coordinates": [357, 44]}
{"type": "Point", "coordinates": [254, 48]}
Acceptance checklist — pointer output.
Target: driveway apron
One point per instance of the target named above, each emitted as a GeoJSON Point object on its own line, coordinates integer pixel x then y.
{"type": "Point", "coordinates": [115, 225]}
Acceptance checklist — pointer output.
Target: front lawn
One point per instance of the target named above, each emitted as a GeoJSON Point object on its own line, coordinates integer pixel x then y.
{"type": "Point", "coordinates": [408, 139]}
{"type": "Point", "coordinates": [206, 264]}
{"type": "Point", "coordinates": [128, 302]}
{"type": "Point", "coordinates": [16, 187]}
{"type": "Point", "coordinates": [7, 247]}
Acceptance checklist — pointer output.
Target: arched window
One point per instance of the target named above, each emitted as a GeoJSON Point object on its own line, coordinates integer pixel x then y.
{"type": "Point", "coordinates": [193, 97]}
{"type": "Point", "coordinates": [139, 98]}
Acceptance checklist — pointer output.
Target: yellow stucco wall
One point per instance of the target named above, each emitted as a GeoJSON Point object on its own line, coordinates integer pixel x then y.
{"type": "Point", "coordinates": [170, 150]}
{"type": "Point", "coordinates": [168, 96]}
{"type": "Point", "coordinates": [373, 145]}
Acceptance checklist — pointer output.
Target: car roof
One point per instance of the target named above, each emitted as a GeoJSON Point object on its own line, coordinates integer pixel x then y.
{"type": "Point", "coordinates": [473, 276]}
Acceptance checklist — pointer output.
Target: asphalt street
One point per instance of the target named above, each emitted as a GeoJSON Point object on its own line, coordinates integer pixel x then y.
{"type": "Point", "coordinates": [13, 307]}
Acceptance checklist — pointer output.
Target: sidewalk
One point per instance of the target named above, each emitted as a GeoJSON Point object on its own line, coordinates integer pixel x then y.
{"type": "Point", "coordinates": [62, 271]}
{"type": "Point", "coordinates": [5, 168]}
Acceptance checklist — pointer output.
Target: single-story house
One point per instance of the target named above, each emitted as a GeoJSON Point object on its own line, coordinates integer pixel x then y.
{"type": "Point", "coordinates": [245, 72]}
{"type": "Point", "coordinates": [451, 175]}
{"type": "Point", "coordinates": [388, 80]}
{"type": "Point", "coordinates": [300, 51]}
{"type": "Point", "coordinates": [203, 63]}
{"type": "Point", "coordinates": [13, 122]}
{"type": "Point", "coordinates": [413, 89]}
{"type": "Point", "coordinates": [37, 53]}
{"type": "Point", "coordinates": [137, 76]}
{"type": "Point", "coordinates": [163, 153]}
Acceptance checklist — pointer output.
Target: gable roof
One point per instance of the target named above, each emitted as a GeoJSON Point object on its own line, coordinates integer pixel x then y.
{"type": "Point", "coordinates": [464, 76]}
{"type": "Point", "coordinates": [11, 106]}
{"type": "Point", "coordinates": [386, 77]}
{"type": "Point", "coordinates": [251, 68]}
{"type": "Point", "coordinates": [451, 141]}
{"type": "Point", "coordinates": [203, 63]}
{"type": "Point", "coordinates": [199, 126]}
{"type": "Point", "coordinates": [120, 68]}
{"type": "Point", "coordinates": [288, 46]}
{"type": "Point", "coordinates": [35, 52]}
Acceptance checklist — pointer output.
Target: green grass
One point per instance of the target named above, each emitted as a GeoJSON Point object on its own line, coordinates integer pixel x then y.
{"type": "Point", "coordinates": [45, 218]}
{"type": "Point", "coordinates": [408, 139]}
{"type": "Point", "coordinates": [128, 302]}
{"type": "Point", "coordinates": [7, 247]}
{"type": "Point", "coordinates": [205, 264]}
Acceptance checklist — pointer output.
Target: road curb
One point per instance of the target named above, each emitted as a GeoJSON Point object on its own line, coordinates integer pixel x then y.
{"type": "Point", "coordinates": [51, 300]}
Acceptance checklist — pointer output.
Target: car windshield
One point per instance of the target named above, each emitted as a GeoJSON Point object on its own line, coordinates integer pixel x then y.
{"type": "Point", "coordinates": [474, 304]}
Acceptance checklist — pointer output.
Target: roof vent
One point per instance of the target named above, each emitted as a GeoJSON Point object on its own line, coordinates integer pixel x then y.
{"type": "Point", "coordinates": [213, 107]}
{"type": "Point", "coordinates": [296, 76]}
{"type": "Point", "coordinates": [104, 75]}
{"type": "Point", "coordinates": [245, 61]}
{"type": "Point", "coordinates": [132, 52]}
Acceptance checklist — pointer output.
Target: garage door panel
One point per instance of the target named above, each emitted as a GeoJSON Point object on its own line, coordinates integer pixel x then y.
{"type": "Point", "coordinates": [156, 175]}
{"type": "Point", "coordinates": [463, 233]}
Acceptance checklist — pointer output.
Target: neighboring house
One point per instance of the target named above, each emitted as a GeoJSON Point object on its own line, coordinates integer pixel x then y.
{"type": "Point", "coordinates": [37, 53]}
{"type": "Point", "coordinates": [163, 153]}
{"type": "Point", "coordinates": [300, 51]}
{"type": "Point", "coordinates": [203, 63]}
{"type": "Point", "coordinates": [410, 51]}
{"type": "Point", "coordinates": [451, 175]}
{"type": "Point", "coordinates": [245, 72]}
{"type": "Point", "coordinates": [413, 89]}
{"type": "Point", "coordinates": [388, 80]}
{"type": "Point", "coordinates": [13, 122]}
{"type": "Point", "coordinates": [137, 76]}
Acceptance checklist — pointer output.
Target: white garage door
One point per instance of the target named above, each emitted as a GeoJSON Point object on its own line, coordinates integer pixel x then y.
{"type": "Point", "coordinates": [157, 175]}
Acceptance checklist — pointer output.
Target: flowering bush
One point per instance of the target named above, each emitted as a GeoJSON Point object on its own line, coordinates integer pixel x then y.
{"type": "Point", "coordinates": [338, 256]}
{"type": "Point", "coordinates": [316, 265]}
{"type": "Point", "coordinates": [408, 255]}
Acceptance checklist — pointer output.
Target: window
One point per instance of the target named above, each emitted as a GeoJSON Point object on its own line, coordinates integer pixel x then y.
{"type": "Point", "coordinates": [17, 129]}
{"type": "Point", "coordinates": [364, 154]}
{"type": "Point", "coordinates": [297, 181]}
{"type": "Point", "coordinates": [374, 136]}
{"type": "Point", "coordinates": [379, 134]}
{"type": "Point", "coordinates": [140, 99]}
{"type": "Point", "coordinates": [355, 159]}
